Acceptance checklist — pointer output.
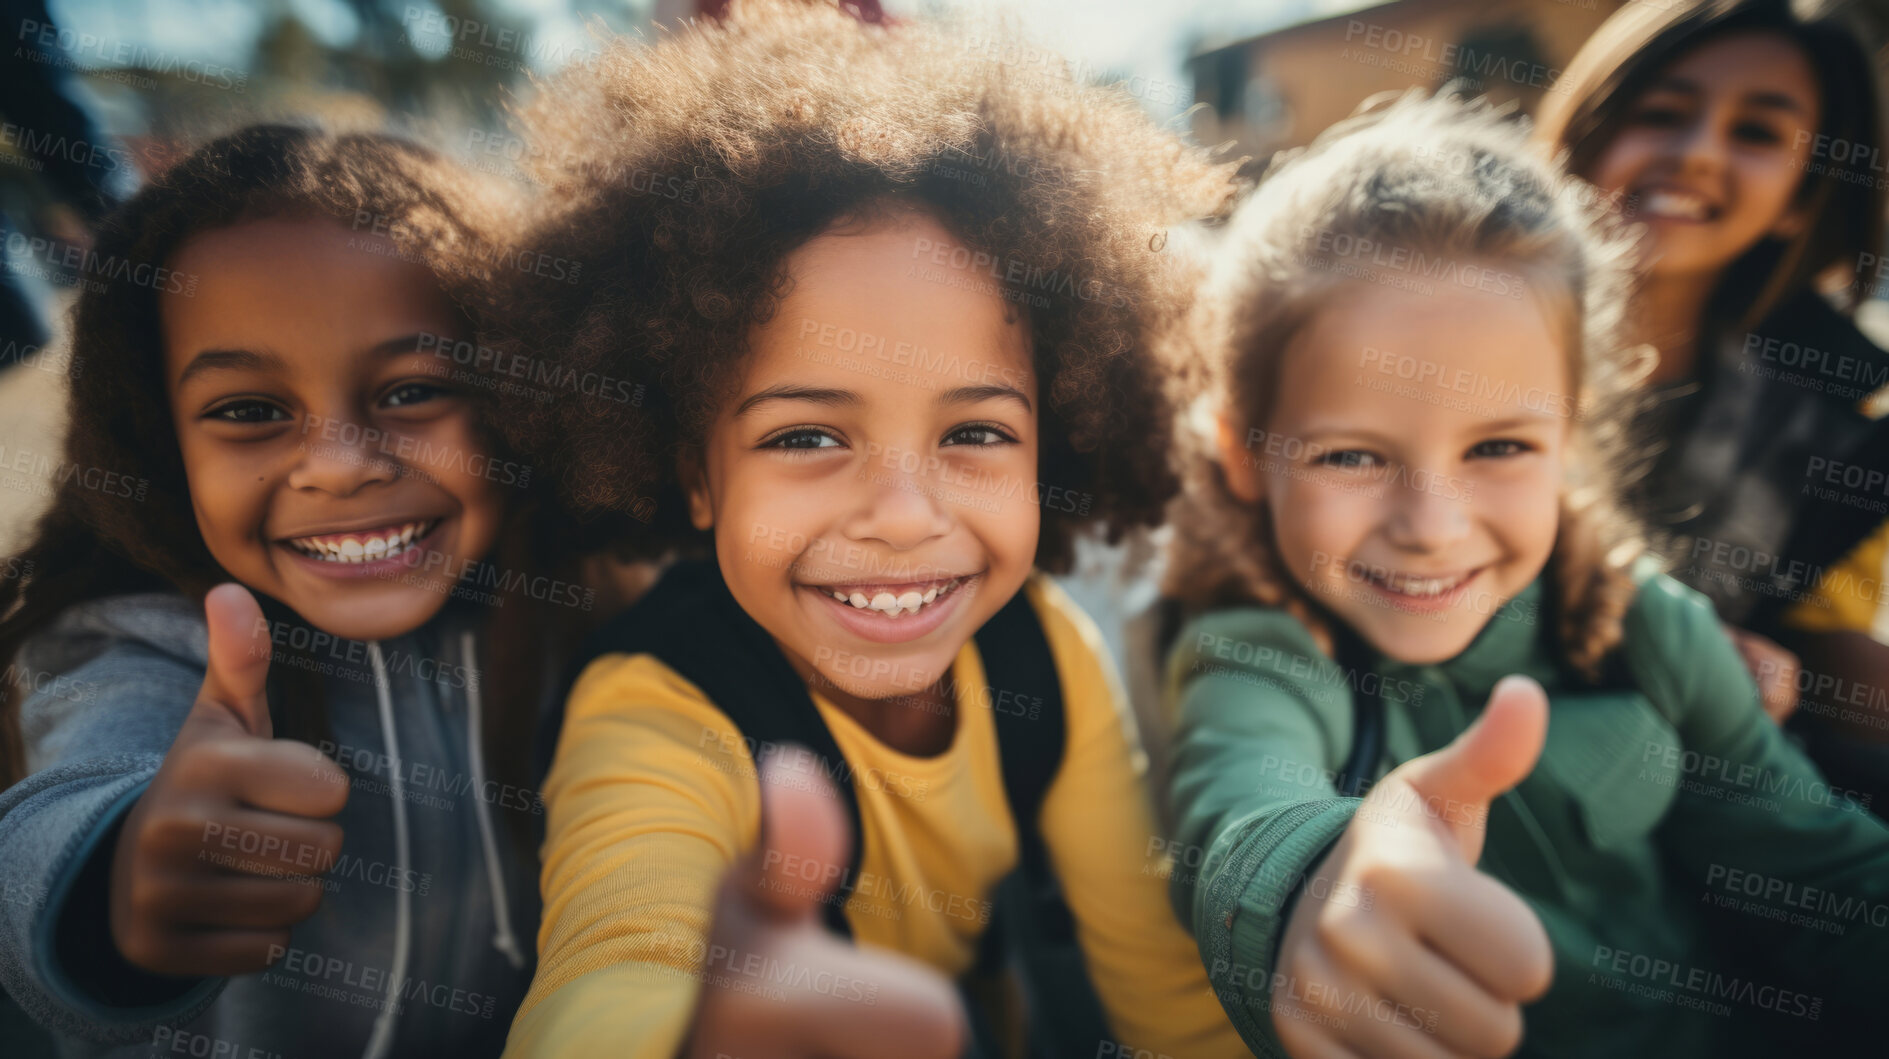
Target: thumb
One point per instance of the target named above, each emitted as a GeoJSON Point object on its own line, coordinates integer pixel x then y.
{"type": "Point", "coordinates": [1458, 782]}
{"type": "Point", "coordinates": [805, 837]}
{"type": "Point", "coordinates": [239, 658]}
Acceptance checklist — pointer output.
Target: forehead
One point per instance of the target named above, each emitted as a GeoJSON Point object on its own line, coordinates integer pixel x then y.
{"type": "Point", "coordinates": [308, 291]}
{"type": "Point", "coordinates": [896, 308]}
{"type": "Point", "coordinates": [1399, 360]}
{"type": "Point", "coordinates": [1750, 63]}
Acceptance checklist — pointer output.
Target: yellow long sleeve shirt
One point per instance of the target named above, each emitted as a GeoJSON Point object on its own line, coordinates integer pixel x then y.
{"type": "Point", "coordinates": [653, 794]}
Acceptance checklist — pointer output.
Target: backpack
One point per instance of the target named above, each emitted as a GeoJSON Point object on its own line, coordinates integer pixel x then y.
{"type": "Point", "coordinates": [692, 624]}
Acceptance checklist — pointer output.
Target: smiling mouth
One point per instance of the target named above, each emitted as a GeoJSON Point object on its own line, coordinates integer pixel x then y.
{"type": "Point", "coordinates": [908, 599]}
{"type": "Point", "coordinates": [364, 546]}
{"type": "Point", "coordinates": [1668, 204]}
{"type": "Point", "coordinates": [1417, 588]}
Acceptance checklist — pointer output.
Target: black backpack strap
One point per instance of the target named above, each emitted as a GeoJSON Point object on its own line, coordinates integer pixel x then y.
{"type": "Point", "coordinates": [692, 623]}
{"type": "Point", "coordinates": [1026, 698]}
{"type": "Point", "coordinates": [1031, 926]}
{"type": "Point", "coordinates": [1359, 769]}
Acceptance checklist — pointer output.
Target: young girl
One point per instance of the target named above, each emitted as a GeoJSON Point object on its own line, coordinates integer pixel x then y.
{"type": "Point", "coordinates": [1745, 137]}
{"type": "Point", "coordinates": [1411, 514]}
{"type": "Point", "coordinates": [265, 400]}
{"type": "Point", "coordinates": [895, 304]}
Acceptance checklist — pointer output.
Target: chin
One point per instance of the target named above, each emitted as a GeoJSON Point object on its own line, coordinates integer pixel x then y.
{"type": "Point", "coordinates": [1420, 651]}
{"type": "Point", "coordinates": [375, 621]}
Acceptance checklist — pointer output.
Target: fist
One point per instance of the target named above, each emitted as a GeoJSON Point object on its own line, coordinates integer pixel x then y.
{"type": "Point", "coordinates": [1409, 950]}
{"type": "Point", "coordinates": [223, 852]}
{"type": "Point", "coordinates": [857, 1003]}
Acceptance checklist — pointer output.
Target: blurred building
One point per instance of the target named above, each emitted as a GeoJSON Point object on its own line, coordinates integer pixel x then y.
{"type": "Point", "coordinates": [1281, 88]}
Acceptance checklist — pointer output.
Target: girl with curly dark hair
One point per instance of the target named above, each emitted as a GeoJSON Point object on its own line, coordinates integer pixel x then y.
{"type": "Point", "coordinates": [896, 303]}
{"type": "Point", "coordinates": [1410, 551]}
{"type": "Point", "coordinates": [267, 359]}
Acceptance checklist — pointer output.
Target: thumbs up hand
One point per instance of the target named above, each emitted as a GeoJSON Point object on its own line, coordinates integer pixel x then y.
{"type": "Point", "coordinates": [223, 852]}
{"type": "Point", "coordinates": [1409, 950]}
{"type": "Point", "coordinates": [856, 1003]}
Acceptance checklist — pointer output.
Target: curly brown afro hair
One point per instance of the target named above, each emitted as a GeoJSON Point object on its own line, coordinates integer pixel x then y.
{"type": "Point", "coordinates": [681, 175]}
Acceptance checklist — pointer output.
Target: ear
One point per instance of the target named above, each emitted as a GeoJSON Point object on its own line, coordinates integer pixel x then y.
{"type": "Point", "coordinates": [694, 481]}
{"type": "Point", "coordinates": [1235, 461]}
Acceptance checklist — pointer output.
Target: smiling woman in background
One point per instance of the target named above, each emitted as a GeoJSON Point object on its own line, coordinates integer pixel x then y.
{"type": "Point", "coordinates": [1746, 136]}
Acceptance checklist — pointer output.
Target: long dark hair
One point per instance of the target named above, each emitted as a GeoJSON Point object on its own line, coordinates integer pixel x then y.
{"type": "Point", "coordinates": [1620, 61]}
{"type": "Point", "coordinates": [97, 542]}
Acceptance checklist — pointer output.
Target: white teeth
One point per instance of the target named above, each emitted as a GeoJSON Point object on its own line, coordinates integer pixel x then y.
{"type": "Point", "coordinates": [1422, 587]}
{"type": "Point", "coordinates": [357, 550]}
{"type": "Point", "coordinates": [1673, 204]}
{"type": "Point", "coordinates": [894, 606]}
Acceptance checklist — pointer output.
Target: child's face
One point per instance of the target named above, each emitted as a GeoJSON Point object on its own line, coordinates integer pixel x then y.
{"type": "Point", "coordinates": [881, 446]}
{"type": "Point", "coordinates": [1712, 154]}
{"type": "Point", "coordinates": [329, 467]}
{"type": "Point", "coordinates": [1413, 463]}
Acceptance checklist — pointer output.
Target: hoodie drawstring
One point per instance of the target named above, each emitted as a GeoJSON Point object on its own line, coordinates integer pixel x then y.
{"type": "Point", "coordinates": [382, 1039]}
{"type": "Point", "coordinates": [502, 938]}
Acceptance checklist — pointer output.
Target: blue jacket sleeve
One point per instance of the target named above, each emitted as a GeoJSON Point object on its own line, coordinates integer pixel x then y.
{"type": "Point", "coordinates": [100, 713]}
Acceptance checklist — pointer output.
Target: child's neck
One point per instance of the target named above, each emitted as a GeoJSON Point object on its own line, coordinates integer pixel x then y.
{"type": "Point", "coordinates": [1667, 311]}
{"type": "Point", "coordinates": [920, 724]}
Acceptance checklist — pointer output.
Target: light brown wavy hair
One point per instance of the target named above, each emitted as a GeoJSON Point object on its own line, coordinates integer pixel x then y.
{"type": "Point", "coordinates": [1440, 181]}
{"type": "Point", "coordinates": [683, 173]}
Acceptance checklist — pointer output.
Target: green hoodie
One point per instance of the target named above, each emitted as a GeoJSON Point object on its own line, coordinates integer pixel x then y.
{"type": "Point", "coordinates": [1668, 835]}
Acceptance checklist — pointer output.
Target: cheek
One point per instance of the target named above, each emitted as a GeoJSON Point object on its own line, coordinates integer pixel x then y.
{"type": "Point", "coordinates": [224, 492]}
{"type": "Point", "coordinates": [1771, 185]}
{"type": "Point", "coordinates": [1310, 522]}
{"type": "Point", "coordinates": [1527, 514]}
{"type": "Point", "coordinates": [1621, 161]}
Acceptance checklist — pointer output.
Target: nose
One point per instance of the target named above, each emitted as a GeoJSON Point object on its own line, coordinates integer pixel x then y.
{"type": "Point", "coordinates": [1424, 516]}
{"type": "Point", "coordinates": [898, 508]}
{"type": "Point", "coordinates": [340, 457]}
{"type": "Point", "coordinates": [1701, 149]}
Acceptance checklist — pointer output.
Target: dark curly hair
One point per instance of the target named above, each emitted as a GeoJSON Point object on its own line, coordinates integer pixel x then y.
{"type": "Point", "coordinates": [683, 173]}
{"type": "Point", "coordinates": [93, 543]}
{"type": "Point", "coordinates": [1443, 181]}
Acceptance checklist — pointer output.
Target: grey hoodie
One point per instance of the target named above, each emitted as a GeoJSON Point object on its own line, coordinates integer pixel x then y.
{"type": "Point", "coordinates": [424, 939]}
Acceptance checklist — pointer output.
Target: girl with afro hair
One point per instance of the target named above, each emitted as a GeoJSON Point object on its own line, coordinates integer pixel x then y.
{"type": "Point", "coordinates": [894, 295]}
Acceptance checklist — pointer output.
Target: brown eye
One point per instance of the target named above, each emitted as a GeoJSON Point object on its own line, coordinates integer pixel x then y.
{"type": "Point", "coordinates": [249, 411]}
{"type": "Point", "coordinates": [412, 393]}
{"type": "Point", "coordinates": [981, 436]}
{"type": "Point", "coordinates": [1658, 117]}
{"type": "Point", "coordinates": [801, 438]}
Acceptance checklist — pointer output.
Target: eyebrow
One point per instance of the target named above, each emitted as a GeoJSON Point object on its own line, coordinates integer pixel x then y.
{"type": "Point", "coordinates": [248, 360]}
{"type": "Point", "coordinates": [988, 392]}
{"type": "Point", "coordinates": [1773, 100]}
{"type": "Point", "coordinates": [1316, 432]}
{"type": "Point", "coordinates": [790, 392]}
{"type": "Point", "coordinates": [227, 360]}
{"type": "Point", "coordinates": [828, 396]}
